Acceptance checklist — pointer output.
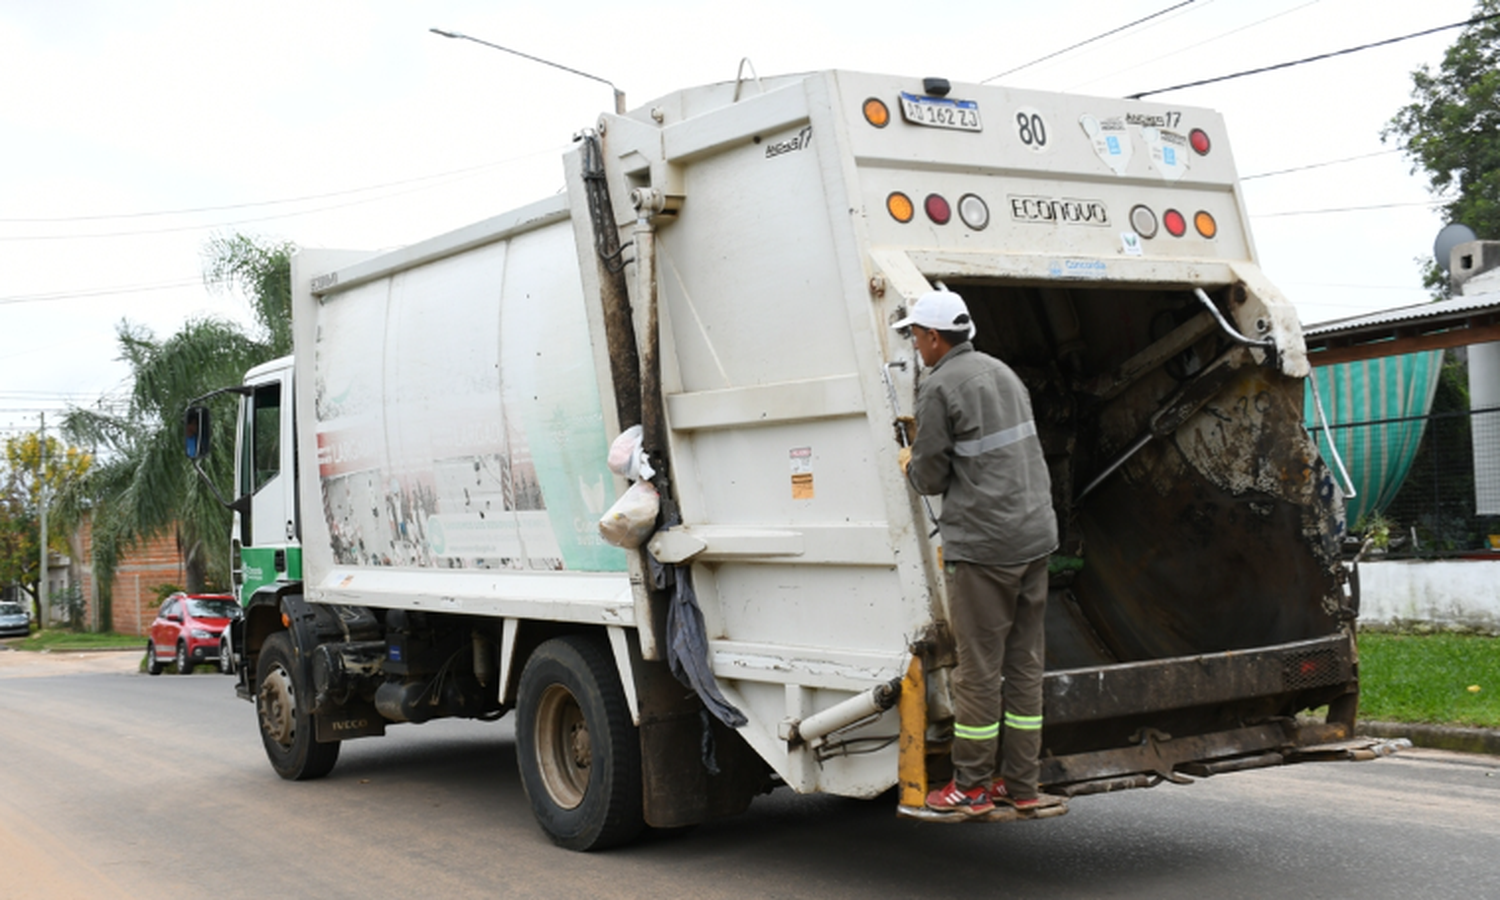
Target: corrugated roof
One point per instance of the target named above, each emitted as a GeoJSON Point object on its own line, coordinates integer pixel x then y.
{"type": "Point", "coordinates": [1457, 307]}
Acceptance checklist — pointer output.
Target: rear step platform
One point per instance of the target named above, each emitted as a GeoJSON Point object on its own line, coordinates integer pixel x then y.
{"type": "Point", "coordinates": [1000, 814]}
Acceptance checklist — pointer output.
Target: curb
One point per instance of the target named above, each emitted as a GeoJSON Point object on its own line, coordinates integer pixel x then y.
{"type": "Point", "coordinates": [1437, 737]}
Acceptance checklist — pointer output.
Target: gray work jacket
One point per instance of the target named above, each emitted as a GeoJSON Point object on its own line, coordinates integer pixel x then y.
{"type": "Point", "coordinates": [976, 445]}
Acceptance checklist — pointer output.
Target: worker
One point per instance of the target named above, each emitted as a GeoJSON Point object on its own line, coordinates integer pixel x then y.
{"type": "Point", "coordinates": [976, 445]}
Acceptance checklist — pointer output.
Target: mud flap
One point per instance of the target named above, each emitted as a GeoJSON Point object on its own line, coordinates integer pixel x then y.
{"type": "Point", "coordinates": [358, 718]}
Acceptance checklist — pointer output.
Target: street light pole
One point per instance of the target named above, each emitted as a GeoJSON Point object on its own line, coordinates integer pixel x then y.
{"type": "Point", "coordinates": [41, 493]}
{"type": "Point", "coordinates": [619, 94]}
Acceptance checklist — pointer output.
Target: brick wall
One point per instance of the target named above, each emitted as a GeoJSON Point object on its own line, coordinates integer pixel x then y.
{"type": "Point", "coordinates": [141, 568]}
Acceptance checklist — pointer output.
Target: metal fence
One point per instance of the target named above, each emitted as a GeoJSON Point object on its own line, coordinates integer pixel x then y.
{"type": "Point", "coordinates": [1449, 502]}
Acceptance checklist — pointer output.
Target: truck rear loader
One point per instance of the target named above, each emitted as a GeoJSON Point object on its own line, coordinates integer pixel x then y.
{"type": "Point", "coordinates": [419, 488]}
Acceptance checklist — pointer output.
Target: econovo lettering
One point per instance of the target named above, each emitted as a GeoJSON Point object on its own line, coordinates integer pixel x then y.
{"type": "Point", "coordinates": [1058, 209]}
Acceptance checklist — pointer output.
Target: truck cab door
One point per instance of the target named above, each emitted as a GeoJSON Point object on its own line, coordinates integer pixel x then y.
{"type": "Point", "coordinates": [265, 529]}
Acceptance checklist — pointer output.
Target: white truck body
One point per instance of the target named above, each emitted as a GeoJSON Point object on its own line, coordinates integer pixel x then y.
{"type": "Point", "coordinates": [455, 399]}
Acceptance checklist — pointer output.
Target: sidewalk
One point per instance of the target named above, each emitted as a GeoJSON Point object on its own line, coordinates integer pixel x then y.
{"type": "Point", "coordinates": [29, 664]}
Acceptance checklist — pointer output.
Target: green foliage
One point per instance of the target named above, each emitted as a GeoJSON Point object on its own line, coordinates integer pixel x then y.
{"type": "Point", "coordinates": [1376, 529]}
{"type": "Point", "coordinates": [163, 591]}
{"type": "Point", "coordinates": [146, 486]}
{"type": "Point", "coordinates": [1427, 678]}
{"type": "Point", "coordinates": [23, 475]}
{"type": "Point", "coordinates": [1438, 495]}
{"type": "Point", "coordinates": [263, 271]}
{"type": "Point", "coordinates": [19, 534]}
{"type": "Point", "coordinates": [1058, 563]}
{"type": "Point", "coordinates": [1449, 129]}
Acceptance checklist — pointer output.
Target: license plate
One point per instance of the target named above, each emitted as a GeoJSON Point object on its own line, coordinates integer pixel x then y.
{"type": "Point", "coordinates": [940, 112]}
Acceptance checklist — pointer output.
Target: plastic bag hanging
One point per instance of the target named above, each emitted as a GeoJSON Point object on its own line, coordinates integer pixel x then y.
{"type": "Point", "coordinates": [627, 456]}
{"type": "Point", "coordinates": [631, 520]}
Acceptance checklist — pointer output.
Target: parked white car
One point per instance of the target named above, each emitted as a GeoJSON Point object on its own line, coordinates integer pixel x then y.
{"type": "Point", "coordinates": [15, 621]}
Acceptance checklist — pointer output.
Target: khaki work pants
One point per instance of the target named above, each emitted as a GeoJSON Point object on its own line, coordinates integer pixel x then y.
{"type": "Point", "coordinates": [997, 615]}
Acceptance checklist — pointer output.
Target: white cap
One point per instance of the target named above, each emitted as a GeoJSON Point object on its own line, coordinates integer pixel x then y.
{"type": "Point", "coordinates": [939, 311]}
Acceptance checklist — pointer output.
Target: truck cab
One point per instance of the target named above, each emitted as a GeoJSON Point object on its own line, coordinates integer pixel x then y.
{"type": "Point", "coordinates": [265, 545]}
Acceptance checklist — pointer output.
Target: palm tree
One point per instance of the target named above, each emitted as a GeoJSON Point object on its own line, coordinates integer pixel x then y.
{"type": "Point", "coordinates": [143, 484]}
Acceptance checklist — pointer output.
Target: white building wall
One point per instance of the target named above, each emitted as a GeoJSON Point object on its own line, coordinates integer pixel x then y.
{"type": "Point", "coordinates": [1456, 594]}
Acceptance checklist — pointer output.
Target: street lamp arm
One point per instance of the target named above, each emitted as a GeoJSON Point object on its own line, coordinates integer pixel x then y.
{"type": "Point", "coordinates": [619, 94]}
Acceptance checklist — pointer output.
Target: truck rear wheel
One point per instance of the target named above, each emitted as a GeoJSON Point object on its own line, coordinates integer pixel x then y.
{"type": "Point", "coordinates": [577, 749]}
{"type": "Point", "coordinates": [288, 737]}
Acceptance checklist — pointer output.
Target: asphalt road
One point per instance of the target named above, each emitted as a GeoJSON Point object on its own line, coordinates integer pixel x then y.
{"type": "Point", "coordinates": [114, 784]}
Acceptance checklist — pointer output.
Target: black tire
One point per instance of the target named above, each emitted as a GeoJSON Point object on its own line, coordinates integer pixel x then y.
{"type": "Point", "coordinates": [288, 737]}
{"type": "Point", "coordinates": [152, 666]}
{"type": "Point", "coordinates": [184, 665]}
{"type": "Point", "coordinates": [226, 661]}
{"type": "Point", "coordinates": [578, 752]}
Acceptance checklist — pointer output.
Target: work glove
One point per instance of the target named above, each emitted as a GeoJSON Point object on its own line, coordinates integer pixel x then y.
{"type": "Point", "coordinates": [906, 430]}
{"type": "Point", "coordinates": [904, 458]}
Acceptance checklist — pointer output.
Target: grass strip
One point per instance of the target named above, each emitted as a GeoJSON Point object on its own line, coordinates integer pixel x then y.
{"type": "Point", "coordinates": [1440, 679]}
{"type": "Point", "coordinates": [70, 640]}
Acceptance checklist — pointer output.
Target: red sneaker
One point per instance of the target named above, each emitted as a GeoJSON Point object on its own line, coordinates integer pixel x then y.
{"type": "Point", "coordinates": [971, 802]}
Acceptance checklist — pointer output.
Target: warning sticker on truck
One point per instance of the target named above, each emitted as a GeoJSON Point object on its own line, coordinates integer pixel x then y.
{"type": "Point", "coordinates": [1111, 140]}
{"type": "Point", "coordinates": [1168, 149]}
{"type": "Point", "coordinates": [802, 475]}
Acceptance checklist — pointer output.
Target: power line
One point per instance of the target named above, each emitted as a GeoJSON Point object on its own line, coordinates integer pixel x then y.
{"type": "Point", "coordinates": [1297, 62]}
{"type": "Point", "coordinates": [1343, 209]}
{"type": "Point", "coordinates": [203, 209]}
{"type": "Point", "coordinates": [104, 292]}
{"type": "Point", "coordinates": [177, 228]}
{"type": "Point", "coordinates": [1160, 12]}
{"type": "Point", "coordinates": [1362, 287]}
{"type": "Point", "coordinates": [1203, 43]}
{"type": "Point", "coordinates": [202, 227]}
{"type": "Point", "coordinates": [1319, 165]}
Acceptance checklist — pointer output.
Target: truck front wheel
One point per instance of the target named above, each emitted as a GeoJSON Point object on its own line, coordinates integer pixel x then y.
{"type": "Point", "coordinates": [288, 737]}
{"type": "Point", "coordinates": [578, 751]}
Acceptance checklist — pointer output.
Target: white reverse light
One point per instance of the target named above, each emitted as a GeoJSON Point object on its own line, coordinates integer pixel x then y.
{"type": "Point", "coordinates": [973, 211]}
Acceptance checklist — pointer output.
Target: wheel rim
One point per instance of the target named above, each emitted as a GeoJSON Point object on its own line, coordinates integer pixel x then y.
{"type": "Point", "coordinates": [225, 662]}
{"type": "Point", "coordinates": [182, 659]}
{"type": "Point", "coordinates": [277, 707]}
{"type": "Point", "coordinates": [564, 752]}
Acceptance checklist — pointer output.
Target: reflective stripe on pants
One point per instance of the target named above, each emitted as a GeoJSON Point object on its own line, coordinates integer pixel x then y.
{"type": "Point", "coordinates": [997, 615]}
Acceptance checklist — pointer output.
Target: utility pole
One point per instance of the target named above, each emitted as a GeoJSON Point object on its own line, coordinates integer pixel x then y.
{"type": "Point", "coordinates": [41, 481]}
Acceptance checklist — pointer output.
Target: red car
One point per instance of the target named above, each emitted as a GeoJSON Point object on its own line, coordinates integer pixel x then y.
{"type": "Point", "coordinates": [188, 631]}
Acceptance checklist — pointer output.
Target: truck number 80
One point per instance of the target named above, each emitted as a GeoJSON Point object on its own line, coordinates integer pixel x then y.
{"type": "Point", "coordinates": [1031, 129]}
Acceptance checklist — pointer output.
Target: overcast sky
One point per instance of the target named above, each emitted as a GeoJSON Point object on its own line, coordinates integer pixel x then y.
{"type": "Point", "coordinates": [131, 132]}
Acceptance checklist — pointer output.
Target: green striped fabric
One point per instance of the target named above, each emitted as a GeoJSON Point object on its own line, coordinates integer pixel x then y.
{"type": "Point", "coordinates": [1377, 456]}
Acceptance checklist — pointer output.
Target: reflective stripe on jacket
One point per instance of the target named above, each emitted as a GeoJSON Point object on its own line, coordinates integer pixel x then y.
{"type": "Point", "coordinates": [976, 445]}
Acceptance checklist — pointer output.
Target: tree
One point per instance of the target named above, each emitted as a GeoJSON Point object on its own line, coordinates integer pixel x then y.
{"type": "Point", "coordinates": [146, 485]}
{"type": "Point", "coordinates": [21, 498]}
{"type": "Point", "coordinates": [1451, 130]}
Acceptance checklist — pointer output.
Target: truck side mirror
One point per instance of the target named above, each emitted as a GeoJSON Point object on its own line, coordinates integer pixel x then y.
{"type": "Point", "coordinates": [195, 429]}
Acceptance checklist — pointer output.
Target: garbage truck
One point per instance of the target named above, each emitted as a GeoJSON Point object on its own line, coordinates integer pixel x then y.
{"type": "Point", "coordinates": [419, 488]}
